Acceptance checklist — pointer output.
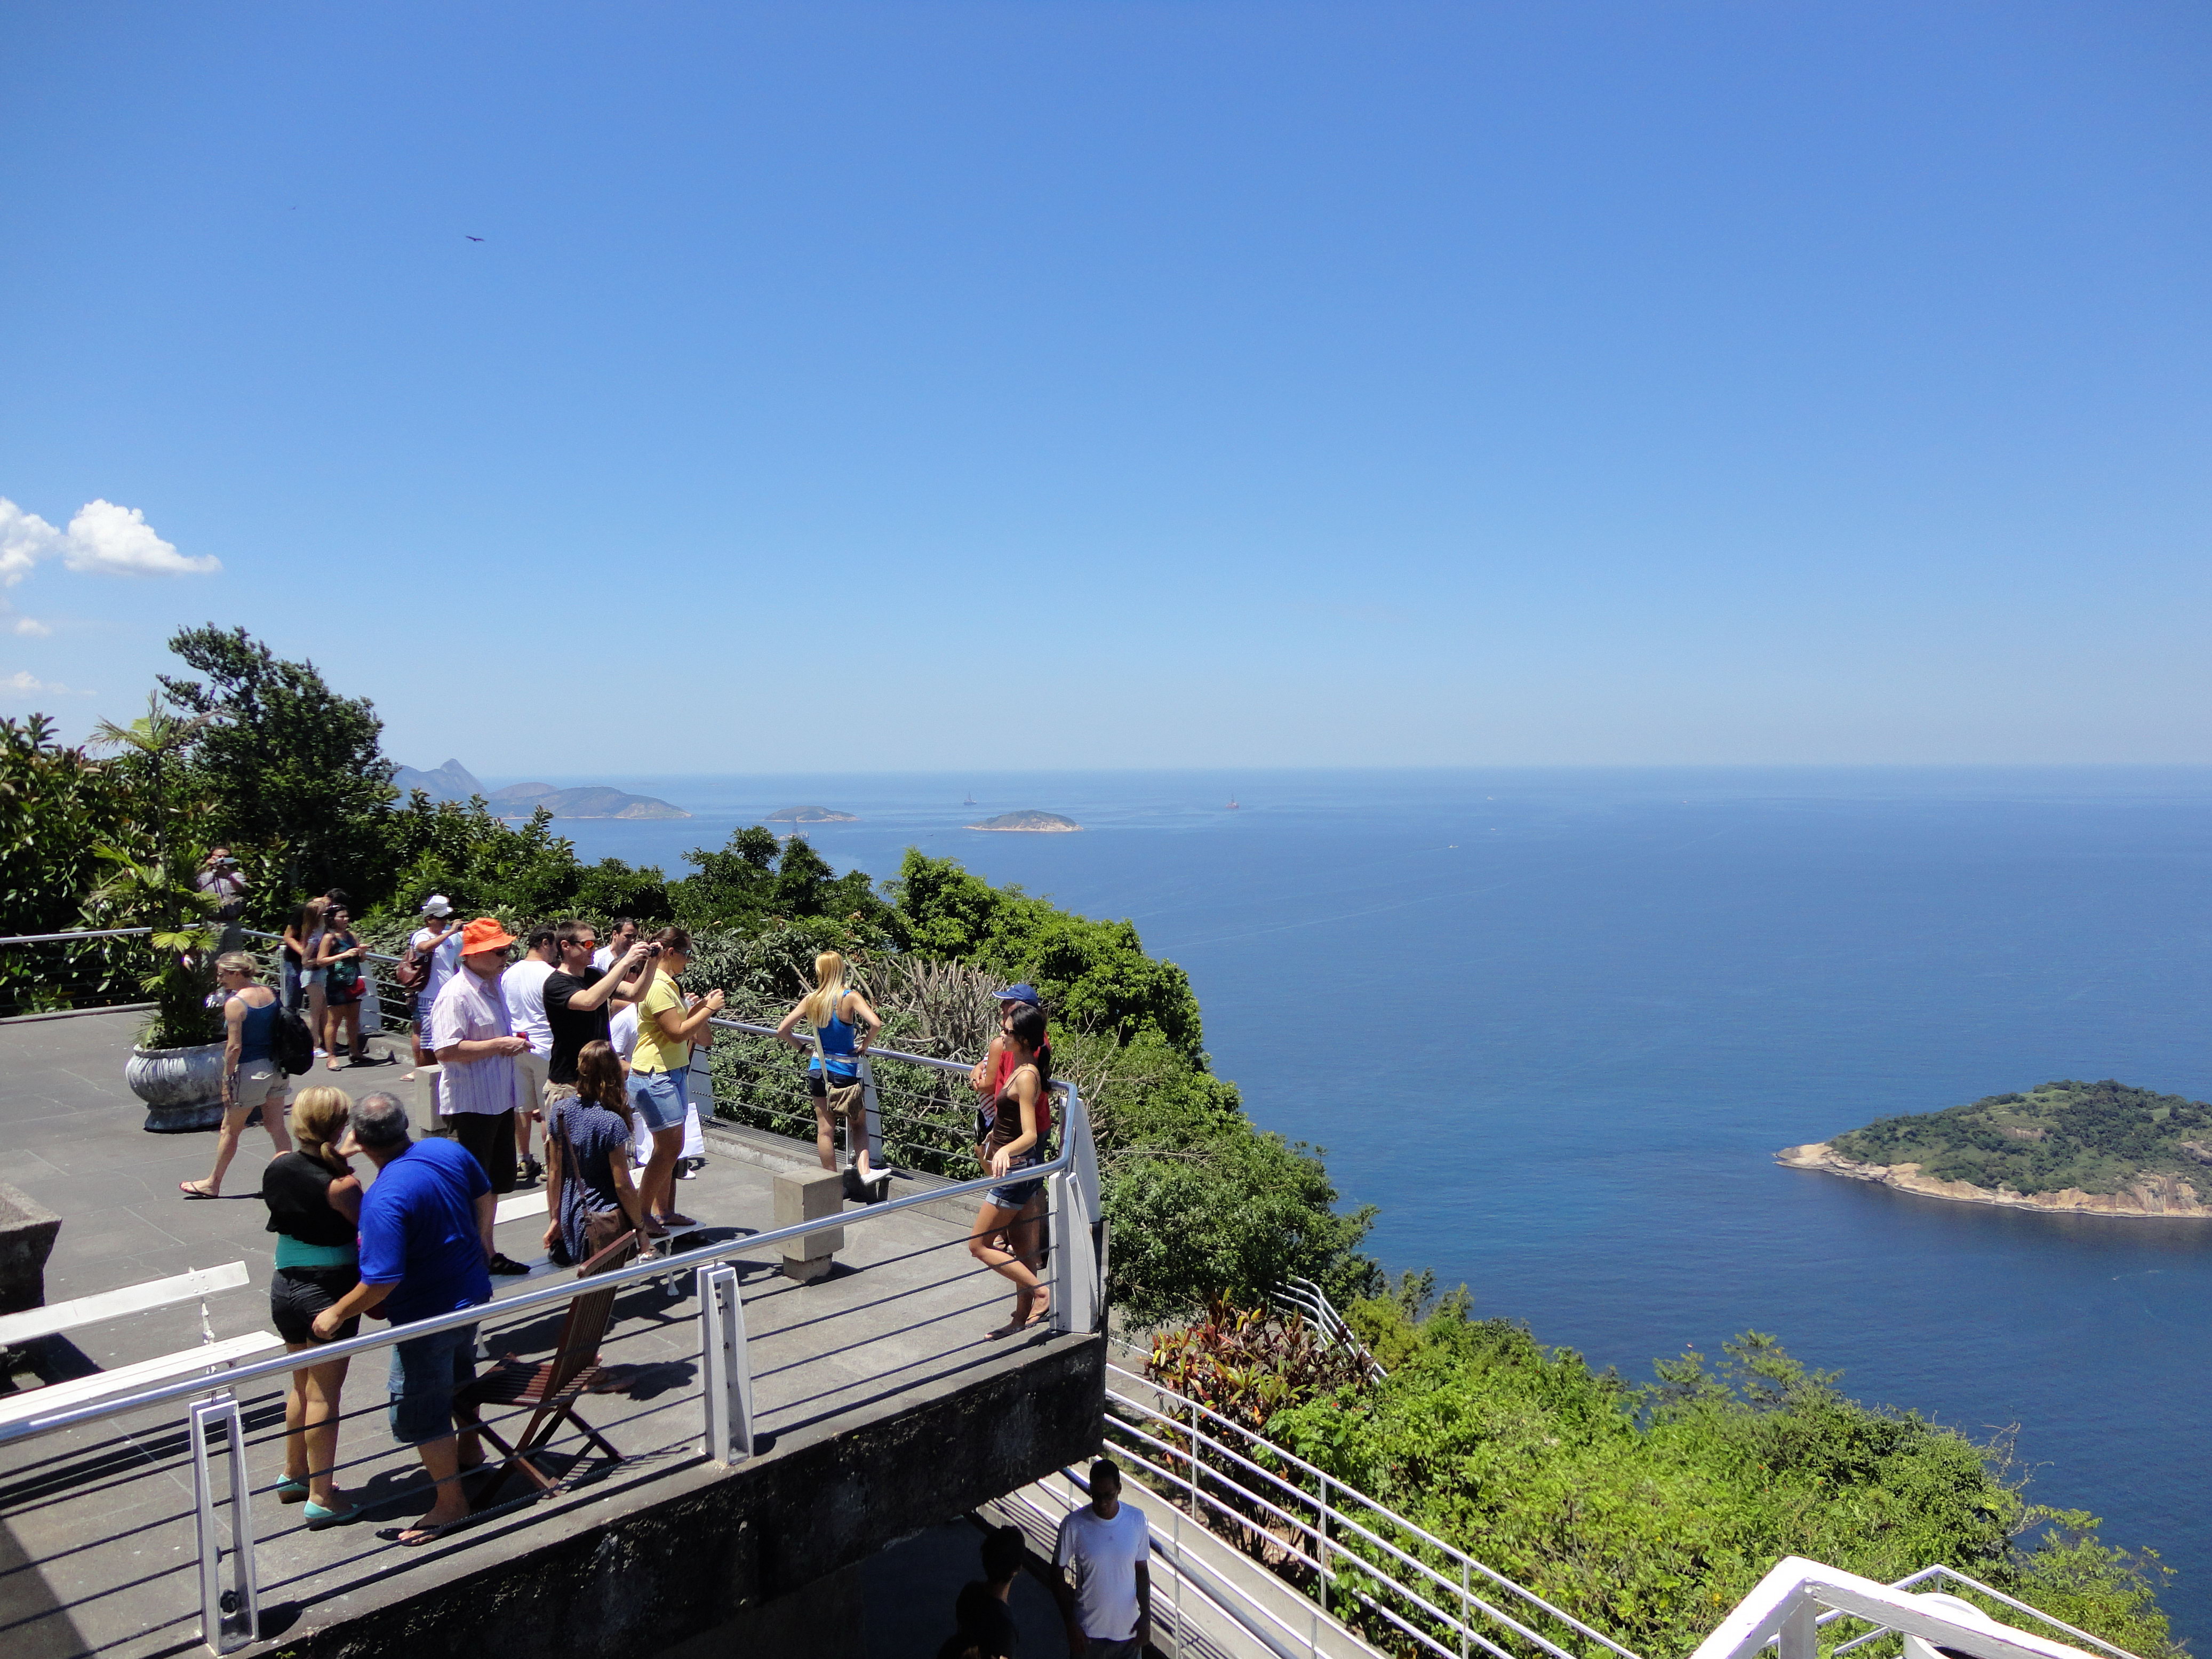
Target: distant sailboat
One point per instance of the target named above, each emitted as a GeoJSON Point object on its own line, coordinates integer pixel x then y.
{"type": "Point", "coordinates": [1232, 805]}
{"type": "Point", "coordinates": [971, 801]}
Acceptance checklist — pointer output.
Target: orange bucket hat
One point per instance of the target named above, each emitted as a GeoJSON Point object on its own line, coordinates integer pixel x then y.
{"type": "Point", "coordinates": [484, 933]}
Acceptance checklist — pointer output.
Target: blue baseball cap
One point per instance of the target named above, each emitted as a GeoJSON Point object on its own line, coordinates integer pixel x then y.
{"type": "Point", "coordinates": [1022, 993]}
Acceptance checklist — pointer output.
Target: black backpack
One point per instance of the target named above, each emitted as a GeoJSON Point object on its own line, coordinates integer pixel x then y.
{"type": "Point", "coordinates": [290, 1043]}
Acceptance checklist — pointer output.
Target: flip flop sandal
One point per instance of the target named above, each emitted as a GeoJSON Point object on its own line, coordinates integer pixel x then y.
{"type": "Point", "coordinates": [196, 1189]}
{"type": "Point", "coordinates": [398, 1535]}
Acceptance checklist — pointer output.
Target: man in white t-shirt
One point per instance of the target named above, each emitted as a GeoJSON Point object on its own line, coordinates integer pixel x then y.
{"type": "Point", "coordinates": [524, 986]}
{"type": "Point", "coordinates": [1105, 1587]}
{"type": "Point", "coordinates": [620, 938]}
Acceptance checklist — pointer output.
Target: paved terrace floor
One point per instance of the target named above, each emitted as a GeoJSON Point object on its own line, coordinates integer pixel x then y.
{"type": "Point", "coordinates": [98, 1554]}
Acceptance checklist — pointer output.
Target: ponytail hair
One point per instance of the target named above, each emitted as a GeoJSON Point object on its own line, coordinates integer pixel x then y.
{"type": "Point", "coordinates": [822, 1002]}
{"type": "Point", "coordinates": [1027, 1028]}
{"type": "Point", "coordinates": [320, 1118]}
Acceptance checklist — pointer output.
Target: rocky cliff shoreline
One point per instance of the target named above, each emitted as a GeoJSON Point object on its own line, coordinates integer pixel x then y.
{"type": "Point", "coordinates": [2166, 1196]}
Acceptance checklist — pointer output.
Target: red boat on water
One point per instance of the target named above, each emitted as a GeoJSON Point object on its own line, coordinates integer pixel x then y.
{"type": "Point", "coordinates": [1232, 806]}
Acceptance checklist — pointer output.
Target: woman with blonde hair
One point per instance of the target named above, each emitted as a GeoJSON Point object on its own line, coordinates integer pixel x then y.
{"type": "Point", "coordinates": [843, 1026]}
{"type": "Point", "coordinates": [314, 1209]}
{"type": "Point", "coordinates": [303, 943]}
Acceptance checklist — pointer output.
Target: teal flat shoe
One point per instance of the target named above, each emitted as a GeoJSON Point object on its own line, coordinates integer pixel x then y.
{"type": "Point", "coordinates": [319, 1518]}
{"type": "Point", "coordinates": [289, 1491]}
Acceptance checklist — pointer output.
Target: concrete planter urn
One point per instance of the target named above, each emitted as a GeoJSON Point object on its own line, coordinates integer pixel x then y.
{"type": "Point", "coordinates": [182, 1087]}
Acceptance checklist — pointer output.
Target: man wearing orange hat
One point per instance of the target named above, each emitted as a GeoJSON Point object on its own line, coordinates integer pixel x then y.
{"type": "Point", "coordinates": [476, 1046]}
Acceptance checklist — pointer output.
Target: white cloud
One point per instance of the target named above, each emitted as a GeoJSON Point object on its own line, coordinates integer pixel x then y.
{"type": "Point", "coordinates": [103, 536]}
{"type": "Point", "coordinates": [29, 627]}
{"type": "Point", "coordinates": [23, 683]}
{"type": "Point", "coordinates": [25, 538]}
{"type": "Point", "coordinates": [118, 539]}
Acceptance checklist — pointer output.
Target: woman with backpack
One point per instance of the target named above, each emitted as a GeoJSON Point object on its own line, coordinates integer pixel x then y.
{"type": "Point", "coordinates": [340, 959]}
{"type": "Point", "coordinates": [251, 1075]}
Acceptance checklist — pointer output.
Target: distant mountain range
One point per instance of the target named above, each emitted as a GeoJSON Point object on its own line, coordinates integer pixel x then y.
{"type": "Point", "coordinates": [455, 782]}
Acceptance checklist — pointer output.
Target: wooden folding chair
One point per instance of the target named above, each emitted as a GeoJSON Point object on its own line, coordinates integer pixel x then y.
{"type": "Point", "coordinates": [552, 1387]}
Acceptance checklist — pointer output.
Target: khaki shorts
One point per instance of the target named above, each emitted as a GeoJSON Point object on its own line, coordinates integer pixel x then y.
{"type": "Point", "coordinates": [530, 1081]}
{"type": "Point", "coordinates": [257, 1081]}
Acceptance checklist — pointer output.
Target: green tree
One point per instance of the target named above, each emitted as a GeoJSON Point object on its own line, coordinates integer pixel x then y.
{"type": "Point", "coordinates": [57, 806]}
{"type": "Point", "coordinates": [1094, 975]}
{"type": "Point", "coordinates": [290, 766]}
{"type": "Point", "coordinates": [757, 881]}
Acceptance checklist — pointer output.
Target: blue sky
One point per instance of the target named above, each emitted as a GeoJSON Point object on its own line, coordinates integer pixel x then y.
{"type": "Point", "coordinates": [1084, 384]}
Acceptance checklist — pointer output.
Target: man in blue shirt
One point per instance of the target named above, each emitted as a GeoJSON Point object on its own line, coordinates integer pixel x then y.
{"type": "Point", "coordinates": [425, 1244]}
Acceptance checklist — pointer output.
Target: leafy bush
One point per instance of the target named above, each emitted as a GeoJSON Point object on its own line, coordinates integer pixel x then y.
{"type": "Point", "coordinates": [1651, 1511]}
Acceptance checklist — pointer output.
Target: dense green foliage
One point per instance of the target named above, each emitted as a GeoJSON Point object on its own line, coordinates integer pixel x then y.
{"type": "Point", "coordinates": [1651, 1510]}
{"type": "Point", "coordinates": [1094, 975]}
{"type": "Point", "coordinates": [287, 766]}
{"type": "Point", "coordinates": [2098, 1137]}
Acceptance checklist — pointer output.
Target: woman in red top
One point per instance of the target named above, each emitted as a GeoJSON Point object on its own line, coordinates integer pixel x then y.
{"type": "Point", "coordinates": [1021, 1126]}
{"type": "Point", "coordinates": [1026, 1236]}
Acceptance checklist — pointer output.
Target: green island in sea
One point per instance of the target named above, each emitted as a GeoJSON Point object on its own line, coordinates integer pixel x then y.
{"type": "Point", "coordinates": [2099, 1148]}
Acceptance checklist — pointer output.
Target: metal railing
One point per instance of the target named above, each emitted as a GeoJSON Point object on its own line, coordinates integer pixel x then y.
{"type": "Point", "coordinates": [1313, 1304]}
{"type": "Point", "coordinates": [1328, 1539]}
{"type": "Point", "coordinates": [1796, 1597]}
{"type": "Point", "coordinates": [209, 1403]}
{"type": "Point", "coordinates": [1296, 1516]}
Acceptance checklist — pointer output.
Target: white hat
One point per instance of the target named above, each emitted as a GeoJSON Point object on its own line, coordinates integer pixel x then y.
{"type": "Point", "coordinates": [437, 905]}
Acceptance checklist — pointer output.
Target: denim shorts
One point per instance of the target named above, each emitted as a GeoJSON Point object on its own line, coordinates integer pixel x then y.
{"type": "Point", "coordinates": [658, 1098]}
{"type": "Point", "coordinates": [425, 1371]}
{"type": "Point", "coordinates": [1012, 1194]}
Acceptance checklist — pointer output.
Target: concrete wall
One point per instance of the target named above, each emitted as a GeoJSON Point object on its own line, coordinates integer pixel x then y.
{"type": "Point", "coordinates": [714, 1566]}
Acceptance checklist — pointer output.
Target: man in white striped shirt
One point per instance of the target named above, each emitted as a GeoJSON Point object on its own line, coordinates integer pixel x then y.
{"type": "Point", "coordinates": [475, 1041]}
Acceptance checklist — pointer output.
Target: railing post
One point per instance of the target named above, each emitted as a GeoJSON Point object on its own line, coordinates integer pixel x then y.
{"type": "Point", "coordinates": [1801, 1631]}
{"type": "Point", "coordinates": [726, 1374]}
{"type": "Point", "coordinates": [1193, 1459]}
{"type": "Point", "coordinates": [874, 1118]}
{"type": "Point", "coordinates": [1061, 1219]}
{"type": "Point", "coordinates": [1178, 1583]}
{"type": "Point", "coordinates": [229, 1618]}
{"type": "Point", "coordinates": [1321, 1530]}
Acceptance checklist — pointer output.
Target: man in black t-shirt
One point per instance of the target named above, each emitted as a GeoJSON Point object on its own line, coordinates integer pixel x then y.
{"type": "Point", "coordinates": [579, 1000]}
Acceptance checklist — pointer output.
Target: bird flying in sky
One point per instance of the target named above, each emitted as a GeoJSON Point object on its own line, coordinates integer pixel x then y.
{"type": "Point", "coordinates": [472, 239]}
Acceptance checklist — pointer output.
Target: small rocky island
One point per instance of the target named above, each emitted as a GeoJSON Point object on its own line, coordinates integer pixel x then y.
{"type": "Point", "coordinates": [2097, 1148]}
{"type": "Point", "coordinates": [1033, 823]}
{"type": "Point", "coordinates": [812, 815]}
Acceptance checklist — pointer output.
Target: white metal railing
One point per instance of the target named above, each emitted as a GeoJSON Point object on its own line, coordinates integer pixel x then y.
{"type": "Point", "coordinates": [1321, 1524]}
{"type": "Point", "coordinates": [1311, 1301]}
{"type": "Point", "coordinates": [1797, 1596]}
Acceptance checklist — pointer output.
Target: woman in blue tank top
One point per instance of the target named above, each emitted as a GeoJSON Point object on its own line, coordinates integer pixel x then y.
{"type": "Point", "coordinates": [250, 1075]}
{"type": "Point", "coordinates": [843, 1025]}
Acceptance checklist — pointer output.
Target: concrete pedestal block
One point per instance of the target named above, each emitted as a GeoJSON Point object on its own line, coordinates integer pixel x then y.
{"type": "Point", "coordinates": [809, 1195]}
{"type": "Point", "coordinates": [28, 1231]}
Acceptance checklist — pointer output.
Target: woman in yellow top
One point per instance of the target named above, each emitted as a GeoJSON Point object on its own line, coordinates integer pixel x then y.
{"type": "Point", "coordinates": [669, 1025]}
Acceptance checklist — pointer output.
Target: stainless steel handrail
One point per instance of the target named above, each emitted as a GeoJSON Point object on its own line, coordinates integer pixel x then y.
{"type": "Point", "coordinates": [559, 1294]}
{"type": "Point", "coordinates": [74, 932]}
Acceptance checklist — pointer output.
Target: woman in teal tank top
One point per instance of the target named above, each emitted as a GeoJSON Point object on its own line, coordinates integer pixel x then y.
{"type": "Point", "coordinates": [314, 1209]}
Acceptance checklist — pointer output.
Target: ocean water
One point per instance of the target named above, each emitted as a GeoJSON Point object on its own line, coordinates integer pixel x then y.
{"type": "Point", "coordinates": [1555, 1023]}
